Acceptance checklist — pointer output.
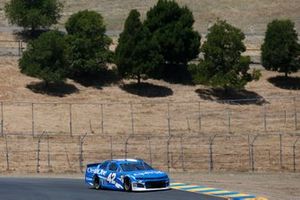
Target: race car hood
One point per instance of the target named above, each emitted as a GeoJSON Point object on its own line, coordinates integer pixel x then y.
{"type": "Point", "coordinates": [148, 174]}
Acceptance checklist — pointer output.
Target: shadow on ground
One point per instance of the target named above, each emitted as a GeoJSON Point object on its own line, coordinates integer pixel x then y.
{"type": "Point", "coordinates": [289, 83]}
{"type": "Point", "coordinates": [147, 90]}
{"type": "Point", "coordinates": [103, 78]}
{"type": "Point", "coordinates": [27, 35]}
{"type": "Point", "coordinates": [231, 96]}
{"type": "Point", "coordinates": [57, 89]}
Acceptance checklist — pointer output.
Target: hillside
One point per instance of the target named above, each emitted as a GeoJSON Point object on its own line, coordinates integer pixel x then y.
{"type": "Point", "coordinates": [250, 15]}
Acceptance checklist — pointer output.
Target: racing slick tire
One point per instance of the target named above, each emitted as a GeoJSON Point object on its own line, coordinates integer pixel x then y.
{"type": "Point", "coordinates": [127, 185]}
{"type": "Point", "coordinates": [97, 183]}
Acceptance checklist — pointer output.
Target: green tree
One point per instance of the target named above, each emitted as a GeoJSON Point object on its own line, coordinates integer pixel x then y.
{"type": "Point", "coordinates": [137, 53]}
{"type": "Point", "coordinates": [88, 51]}
{"type": "Point", "coordinates": [280, 50]}
{"type": "Point", "coordinates": [33, 14]}
{"type": "Point", "coordinates": [172, 27]}
{"type": "Point", "coordinates": [223, 65]}
{"type": "Point", "coordinates": [45, 58]}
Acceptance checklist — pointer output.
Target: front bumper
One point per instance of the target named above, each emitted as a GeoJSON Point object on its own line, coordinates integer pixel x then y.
{"type": "Point", "coordinates": [150, 185]}
{"type": "Point", "coordinates": [138, 189]}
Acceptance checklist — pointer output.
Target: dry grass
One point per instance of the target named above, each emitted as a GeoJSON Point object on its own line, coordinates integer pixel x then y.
{"type": "Point", "coordinates": [149, 112]}
{"type": "Point", "coordinates": [244, 13]}
{"type": "Point", "coordinates": [231, 152]}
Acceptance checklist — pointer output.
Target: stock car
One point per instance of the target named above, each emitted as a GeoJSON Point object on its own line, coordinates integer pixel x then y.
{"type": "Point", "coordinates": [127, 175]}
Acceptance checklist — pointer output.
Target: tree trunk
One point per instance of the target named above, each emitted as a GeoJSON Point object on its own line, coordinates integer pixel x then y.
{"type": "Point", "coordinates": [286, 74]}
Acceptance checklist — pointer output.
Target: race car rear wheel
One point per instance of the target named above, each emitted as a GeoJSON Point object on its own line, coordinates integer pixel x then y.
{"type": "Point", "coordinates": [127, 185]}
{"type": "Point", "coordinates": [97, 183]}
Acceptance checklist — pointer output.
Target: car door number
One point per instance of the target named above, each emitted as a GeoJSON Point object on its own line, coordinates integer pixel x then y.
{"type": "Point", "coordinates": [111, 178]}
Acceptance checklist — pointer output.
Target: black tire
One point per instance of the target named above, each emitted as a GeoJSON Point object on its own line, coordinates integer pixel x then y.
{"type": "Point", "coordinates": [127, 185]}
{"type": "Point", "coordinates": [97, 183]}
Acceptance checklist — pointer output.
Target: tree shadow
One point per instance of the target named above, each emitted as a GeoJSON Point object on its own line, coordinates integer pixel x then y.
{"type": "Point", "coordinates": [147, 90]}
{"type": "Point", "coordinates": [289, 83]}
{"type": "Point", "coordinates": [231, 96]}
{"type": "Point", "coordinates": [177, 74]}
{"type": "Point", "coordinates": [97, 80]}
{"type": "Point", "coordinates": [52, 89]}
{"type": "Point", "coordinates": [27, 35]}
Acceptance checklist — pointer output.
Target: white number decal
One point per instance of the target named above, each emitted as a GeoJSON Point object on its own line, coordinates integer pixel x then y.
{"type": "Point", "coordinates": [111, 178]}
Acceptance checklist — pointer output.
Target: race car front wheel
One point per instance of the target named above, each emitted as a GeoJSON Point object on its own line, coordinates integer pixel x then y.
{"type": "Point", "coordinates": [97, 183]}
{"type": "Point", "coordinates": [127, 185]}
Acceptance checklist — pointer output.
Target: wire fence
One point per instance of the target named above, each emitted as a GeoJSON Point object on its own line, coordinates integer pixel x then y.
{"type": "Point", "coordinates": [12, 47]}
{"type": "Point", "coordinates": [161, 118]}
{"type": "Point", "coordinates": [15, 48]}
{"type": "Point", "coordinates": [50, 152]}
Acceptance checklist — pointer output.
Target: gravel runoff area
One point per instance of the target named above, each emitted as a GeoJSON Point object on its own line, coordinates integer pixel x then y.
{"type": "Point", "coordinates": [274, 186]}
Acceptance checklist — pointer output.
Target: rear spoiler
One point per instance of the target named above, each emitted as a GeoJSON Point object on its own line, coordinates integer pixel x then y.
{"type": "Point", "coordinates": [92, 165]}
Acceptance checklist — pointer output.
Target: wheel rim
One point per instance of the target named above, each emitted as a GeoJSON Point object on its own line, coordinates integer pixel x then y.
{"type": "Point", "coordinates": [127, 185]}
{"type": "Point", "coordinates": [97, 183]}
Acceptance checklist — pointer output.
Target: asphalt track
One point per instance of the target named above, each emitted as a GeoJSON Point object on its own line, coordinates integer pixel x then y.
{"type": "Point", "coordinates": [75, 189]}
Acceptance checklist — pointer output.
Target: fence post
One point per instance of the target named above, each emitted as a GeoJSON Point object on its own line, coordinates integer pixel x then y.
{"type": "Point", "coordinates": [48, 149]}
{"type": "Point", "coordinates": [70, 122]}
{"type": "Point", "coordinates": [182, 153]}
{"type": "Point", "coordinates": [229, 120]}
{"type": "Point", "coordinates": [295, 114]}
{"type": "Point", "coordinates": [7, 156]}
{"type": "Point", "coordinates": [199, 117]}
{"type": "Point", "coordinates": [111, 148]}
{"type": "Point", "coordinates": [32, 119]}
{"type": "Point", "coordinates": [211, 161]}
{"type": "Point", "coordinates": [169, 120]}
{"type": "Point", "coordinates": [126, 146]}
{"type": "Point", "coordinates": [81, 141]}
{"type": "Point", "coordinates": [188, 125]}
{"type": "Point", "coordinates": [21, 47]}
{"type": "Point", "coordinates": [265, 118]}
{"type": "Point", "coordinates": [285, 119]}
{"type": "Point", "coordinates": [168, 152]}
{"type": "Point", "coordinates": [19, 52]}
{"type": "Point", "coordinates": [252, 153]}
{"type": "Point", "coordinates": [102, 120]}
{"type": "Point", "coordinates": [280, 151]}
{"type": "Point", "coordinates": [38, 153]}
{"type": "Point", "coordinates": [2, 121]}
{"type": "Point", "coordinates": [294, 153]}
{"type": "Point", "coordinates": [249, 151]}
{"type": "Point", "coordinates": [150, 151]}
{"type": "Point", "coordinates": [132, 120]}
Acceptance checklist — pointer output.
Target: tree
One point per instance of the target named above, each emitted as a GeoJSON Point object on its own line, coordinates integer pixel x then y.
{"type": "Point", "coordinates": [33, 14]}
{"type": "Point", "coordinates": [45, 58]}
{"type": "Point", "coordinates": [281, 50]}
{"type": "Point", "coordinates": [137, 53]}
{"type": "Point", "coordinates": [88, 51]}
{"type": "Point", "coordinates": [223, 64]}
{"type": "Point", "coordinates": [172, 27]}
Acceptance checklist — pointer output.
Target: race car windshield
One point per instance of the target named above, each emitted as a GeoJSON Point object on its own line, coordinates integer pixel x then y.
{"type": "Point", "coordinates": [138, 166]}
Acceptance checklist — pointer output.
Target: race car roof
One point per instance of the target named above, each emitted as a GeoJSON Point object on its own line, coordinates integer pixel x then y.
{"type": "Point", "coordinates": [126, 160]}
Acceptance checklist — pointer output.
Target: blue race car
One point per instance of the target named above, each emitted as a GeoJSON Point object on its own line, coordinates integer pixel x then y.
{"type": "Point", "coordinates": [127, 175]}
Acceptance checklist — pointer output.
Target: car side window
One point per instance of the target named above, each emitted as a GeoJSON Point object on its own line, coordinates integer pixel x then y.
{"type": "Point", "coordinates": [113, 167]}
{"type": "Point", "coordinates": [104, 165]}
